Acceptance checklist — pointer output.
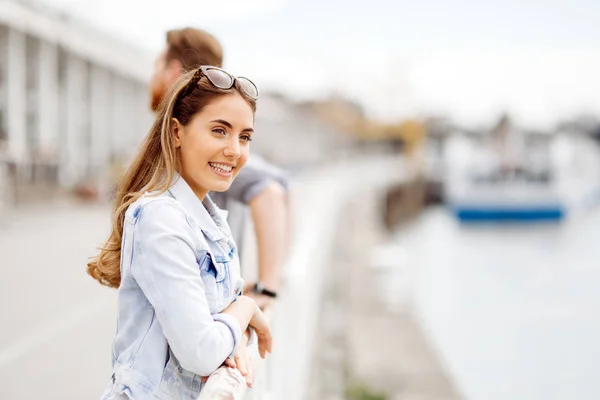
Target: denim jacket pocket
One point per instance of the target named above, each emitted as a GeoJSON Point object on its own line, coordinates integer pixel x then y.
{"type": "Point", "coordinates": [214, 271]}
{"type": "Point", "coordinates": [172, 373]}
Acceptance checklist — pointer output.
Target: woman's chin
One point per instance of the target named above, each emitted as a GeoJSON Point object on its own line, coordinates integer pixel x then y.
{"type": "Point", "coordinates": [221, 187]}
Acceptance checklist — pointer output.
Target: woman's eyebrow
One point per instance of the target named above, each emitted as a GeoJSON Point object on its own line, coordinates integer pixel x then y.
{"type": "Point", "coordinates": [222, 121]}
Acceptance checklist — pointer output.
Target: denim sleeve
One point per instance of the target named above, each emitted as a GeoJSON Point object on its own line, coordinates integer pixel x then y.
{"type": "Point", "coordinates": [254, 178]}
{"type": "Point", "coordinates": [234, 327]}
{"type": "Point", "coordinates": [166, 269]}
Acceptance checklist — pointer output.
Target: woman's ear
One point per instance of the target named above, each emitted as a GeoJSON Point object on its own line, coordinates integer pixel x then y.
{"type": "Point", "coordinates": [176, 131]}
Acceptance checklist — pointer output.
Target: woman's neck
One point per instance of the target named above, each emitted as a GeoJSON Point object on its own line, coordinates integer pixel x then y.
{"type": "Point", "coordinates": [198, 191]}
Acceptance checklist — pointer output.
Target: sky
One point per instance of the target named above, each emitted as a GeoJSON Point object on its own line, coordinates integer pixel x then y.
{"type": "Point", "coordinates": [469, 61]}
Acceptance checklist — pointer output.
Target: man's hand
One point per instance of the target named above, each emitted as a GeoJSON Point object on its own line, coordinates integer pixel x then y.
{"type": "Point", "coordinates": [261, 300]}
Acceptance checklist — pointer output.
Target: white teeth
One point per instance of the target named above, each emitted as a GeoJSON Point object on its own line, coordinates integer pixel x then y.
{"type": "Point", "coordinates": [221, 167]}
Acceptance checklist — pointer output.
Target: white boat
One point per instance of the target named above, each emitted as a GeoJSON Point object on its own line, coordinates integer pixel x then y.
{"type": "Point", "coordinates": [507, 196]}
{"type": "Point", "coordinates": [543, 178]}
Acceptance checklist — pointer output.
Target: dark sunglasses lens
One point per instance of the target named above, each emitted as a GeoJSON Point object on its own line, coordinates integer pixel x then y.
{"type": "Point", "coordinates": [219, 78]}
{"type": "Point", "coordinates": [248, 87]}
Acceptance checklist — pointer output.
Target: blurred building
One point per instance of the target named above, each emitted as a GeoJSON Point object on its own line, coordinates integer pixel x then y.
{"type": "Point", "coordinates": [73, 100]}
{"type": "Point", "coordinates": [294, 135]}
{"type": "Point", "coordinates": [74, 104]}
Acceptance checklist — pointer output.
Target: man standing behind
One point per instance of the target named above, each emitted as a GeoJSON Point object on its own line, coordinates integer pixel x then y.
{"type": "Point", "coordinates": [259, 185]}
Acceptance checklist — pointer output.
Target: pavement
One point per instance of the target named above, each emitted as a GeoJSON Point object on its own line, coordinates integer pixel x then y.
{"type": "Point", "coordinates": [57, 323]}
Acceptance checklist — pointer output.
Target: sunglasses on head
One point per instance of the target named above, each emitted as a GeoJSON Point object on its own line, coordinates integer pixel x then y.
{"type": "Point", "coordinates": [221, 79]}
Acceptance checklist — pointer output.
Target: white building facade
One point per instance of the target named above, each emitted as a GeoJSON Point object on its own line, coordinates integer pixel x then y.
{"type": "Point", "coordinates": [72, 100]}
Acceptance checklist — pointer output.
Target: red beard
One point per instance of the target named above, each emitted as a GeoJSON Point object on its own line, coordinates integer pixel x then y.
{"type": "Point", "coordinates": [156, 96]}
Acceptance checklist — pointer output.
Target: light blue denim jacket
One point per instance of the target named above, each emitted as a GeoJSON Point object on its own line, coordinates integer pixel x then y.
{"type": "Point", "coordinates": [179, 269]}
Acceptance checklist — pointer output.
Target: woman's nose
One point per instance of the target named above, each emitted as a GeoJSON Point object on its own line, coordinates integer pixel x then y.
{"type": "Point", "coordinates": [232, 149]}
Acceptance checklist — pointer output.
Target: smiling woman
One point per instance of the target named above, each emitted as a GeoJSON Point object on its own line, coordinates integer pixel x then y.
{"type": "Point", "coordinates": [215, 144]}
{"type": "Point", "coordinates": [171, 255]}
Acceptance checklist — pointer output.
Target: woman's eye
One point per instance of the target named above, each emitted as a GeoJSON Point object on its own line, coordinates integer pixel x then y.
{"type": "Point", "coordinates": [219, 131]}
{"type": "Point", "coordinates": [246, 138]}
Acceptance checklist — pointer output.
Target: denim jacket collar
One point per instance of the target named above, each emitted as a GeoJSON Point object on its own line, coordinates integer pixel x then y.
{"type": "Point", "coordinates": [208, 215]}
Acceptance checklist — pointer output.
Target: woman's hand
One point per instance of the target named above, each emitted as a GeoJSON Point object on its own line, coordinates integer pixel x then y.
{"type": "Point", "coordinates": [242, 361]}
{"type": "Point", "coordinates": [263, 332]}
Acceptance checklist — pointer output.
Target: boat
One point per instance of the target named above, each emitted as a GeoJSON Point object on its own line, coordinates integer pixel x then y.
{"type": "Point", "coordinates": [507, 195]}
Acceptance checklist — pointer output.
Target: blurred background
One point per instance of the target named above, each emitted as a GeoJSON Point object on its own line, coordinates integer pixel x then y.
{"type": "Point", "coordinates": [445, 166]}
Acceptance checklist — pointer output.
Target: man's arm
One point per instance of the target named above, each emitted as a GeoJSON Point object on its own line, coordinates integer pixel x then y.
{"type": "Point", "coordinates": [269, 210]}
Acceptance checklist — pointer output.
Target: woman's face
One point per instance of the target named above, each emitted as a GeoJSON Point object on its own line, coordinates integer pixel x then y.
{"type": "Point", "coordinates": [215, 144]}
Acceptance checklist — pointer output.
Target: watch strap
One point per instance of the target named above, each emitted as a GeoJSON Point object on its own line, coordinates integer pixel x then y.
{"type": "Point", "coordinates": [260, 289]}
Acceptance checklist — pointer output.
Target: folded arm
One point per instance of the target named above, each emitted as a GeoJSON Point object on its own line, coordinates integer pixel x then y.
{"type": "Point", "coordinates": [167, 270]}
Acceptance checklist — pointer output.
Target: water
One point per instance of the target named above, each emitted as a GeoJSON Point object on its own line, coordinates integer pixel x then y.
{"type": "Point", "coordinates": [513, 310]}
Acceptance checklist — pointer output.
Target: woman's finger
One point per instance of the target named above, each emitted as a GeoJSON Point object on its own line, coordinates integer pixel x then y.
{"type": "Point", "coordinates": [230, 363]}
{"type": "Point", "coordinates": [262, 348]}
{"type": "Point", "coordinates": [241, 365]}
{"type": "Point", "coordinates": [270, 344]}
{"type": "Point", "coordinates": [265, 345]}
{"type": "Point", "coordinates": [250, 378]}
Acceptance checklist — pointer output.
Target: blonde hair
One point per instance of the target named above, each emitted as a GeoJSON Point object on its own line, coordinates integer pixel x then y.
{"type": "Point", "coordinates": [154, 166]}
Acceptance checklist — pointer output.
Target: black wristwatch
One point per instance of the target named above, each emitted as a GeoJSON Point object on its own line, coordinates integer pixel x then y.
{"type": "Point", "coordinates": [258, 288]}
